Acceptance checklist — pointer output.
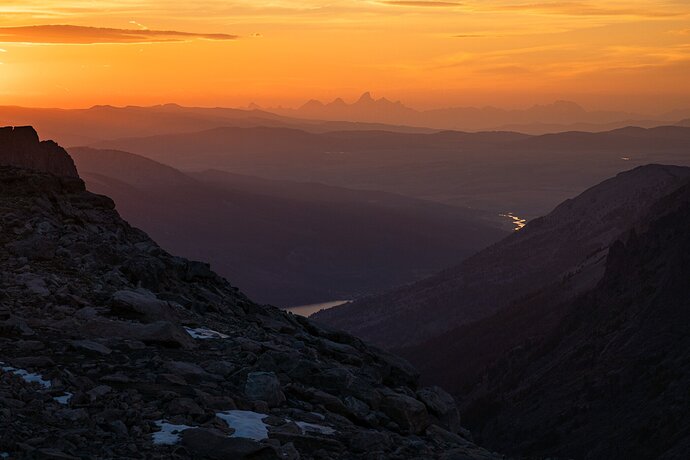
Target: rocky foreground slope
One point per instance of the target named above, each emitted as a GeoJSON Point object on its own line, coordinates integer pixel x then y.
{"type": "Point", "coordinates": [113, 348]}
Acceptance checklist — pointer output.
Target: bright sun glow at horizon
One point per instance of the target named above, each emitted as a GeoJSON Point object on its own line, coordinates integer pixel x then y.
{"type": "Point", "coordinates": [612, 54]}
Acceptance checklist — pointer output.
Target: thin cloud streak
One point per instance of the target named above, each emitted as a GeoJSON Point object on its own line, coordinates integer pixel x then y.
{"type": "Point", "coordinates": [421, 3]}
{"type": "Point", "coordinates": [587, 9]}
{"type": "Point", "coordinates": [82, 35]}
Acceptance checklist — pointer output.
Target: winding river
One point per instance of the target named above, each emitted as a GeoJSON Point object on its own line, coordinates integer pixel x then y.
{"type": "Point", "coordinates": [518, 222]}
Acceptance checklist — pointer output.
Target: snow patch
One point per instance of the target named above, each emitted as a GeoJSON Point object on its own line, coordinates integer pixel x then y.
{"type": "Point", "coordinates": [202, 333]}
{"type": "Point", "coordinates": [27, 376]}
{"type": "Point", "coordinates": [64, 399]}
{"type": "Point", "coordinates": [247, 424]}
{"type": "Point", "coordinates": [169, 433]}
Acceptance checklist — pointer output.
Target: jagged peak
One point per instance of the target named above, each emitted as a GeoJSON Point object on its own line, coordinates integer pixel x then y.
{"type": "Point", "coordinates": [311, 104]}
{"type": "Point", "coordinates": [339, 102]}
{"type": "Point", "coordinates": [563, 106]}
{"type": "Point", "coordinates": [365, 98]}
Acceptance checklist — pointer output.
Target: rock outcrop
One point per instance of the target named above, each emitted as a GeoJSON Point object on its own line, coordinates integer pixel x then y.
{"type": "Point", "coordinates": [20, 147]}
{"type": "Point", "coordinates": [113, 348]}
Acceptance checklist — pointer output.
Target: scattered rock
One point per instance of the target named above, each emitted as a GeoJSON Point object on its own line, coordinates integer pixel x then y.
{"type": "Point", "coordinates": [91, 346]}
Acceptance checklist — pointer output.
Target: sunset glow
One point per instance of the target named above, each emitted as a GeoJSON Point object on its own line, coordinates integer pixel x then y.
{"type": "Point", "coordinates": [612, 54]}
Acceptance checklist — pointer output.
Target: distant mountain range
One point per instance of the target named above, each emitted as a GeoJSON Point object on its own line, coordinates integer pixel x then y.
{"type": "Point", "coordinates": [539, 119]}
{"type": "Point", "coordinates": [73, 127]}
{"type": "Point", "coordinates": [286, 243]}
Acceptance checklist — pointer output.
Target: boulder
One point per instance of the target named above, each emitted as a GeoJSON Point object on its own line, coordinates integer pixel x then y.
{"type": "Point", "coordinates": [441, 435]}
{"type": "Point", "coordinates": [264, 386]}
{"type": "Point", "coordinates": [213, 445]}
{"type": "Point", "coordinates": [141, 304]}
{"type": "Point", "coordinates": [442, 405]}
{"type": "Point", "coordinates": [397, 370]}
{"type": "Point", "coordinates": [98, 392]}
{"type": "Point", "coordinates": [91, 347]}
{"type": "Point", "coordinates": [162, 333]}
{"type": "Point", "coordinates": [185, 369]}
{"type": "Point", "coordinates": [185, 406]}
{"type": "Point", "coordinates": [369, 441]}
{"type": "Point", "coordinates": [411, 415]}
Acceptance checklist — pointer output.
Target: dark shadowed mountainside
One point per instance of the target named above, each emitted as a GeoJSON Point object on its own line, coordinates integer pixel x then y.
{"type": "Point", "coordinates": [572, 241]}
{"type": "Point", "coordinates": [282, 242]}
{"type": "Point", "coordinates": [113, 348]}
{"type": "Point", "coordinates": [608, 375]}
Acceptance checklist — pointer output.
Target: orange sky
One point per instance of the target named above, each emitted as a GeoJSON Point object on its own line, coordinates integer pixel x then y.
{"type": "Point", "coordinates": [632, 55]}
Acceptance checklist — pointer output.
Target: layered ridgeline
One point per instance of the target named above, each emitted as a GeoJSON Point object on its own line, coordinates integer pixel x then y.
{"type": "Point", "coordinates": [113, 348]}
{"type": "Point", "coordinates": [570, 244]}
{"type": "Point", "coordinates": [491, 171]}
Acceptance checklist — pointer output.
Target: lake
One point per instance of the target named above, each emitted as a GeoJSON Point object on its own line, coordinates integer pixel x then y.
{"type": "Point", "coordinates": [307, 310]}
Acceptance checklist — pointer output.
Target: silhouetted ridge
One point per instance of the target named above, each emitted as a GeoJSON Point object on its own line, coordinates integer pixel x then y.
{"type": "Point", "coordinates": [20, 147]}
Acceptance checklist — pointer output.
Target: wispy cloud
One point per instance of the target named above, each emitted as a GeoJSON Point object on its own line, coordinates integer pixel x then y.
{"type": "Point", "coordinates": [139, 25]}
{"type": "Point", "coordinates": [588, 9]}
{"type": "Point", "coordinates": [420, 3]}
{"type": "Point", "coordinates": [68, 34]}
